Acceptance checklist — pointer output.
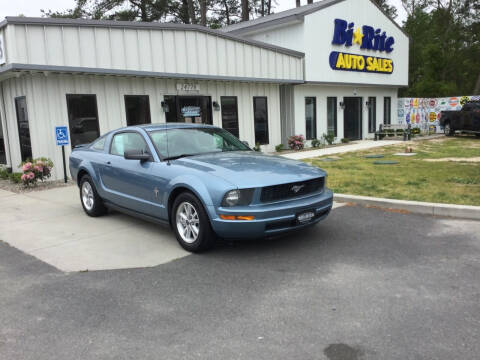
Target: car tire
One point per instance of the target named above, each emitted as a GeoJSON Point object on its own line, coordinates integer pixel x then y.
{"type": "Point", "coordinates": [448, 130]}
{"type": "Point", "coordinates": [92, 203]}
{"type": "Point", "coordinates": [191, 224]}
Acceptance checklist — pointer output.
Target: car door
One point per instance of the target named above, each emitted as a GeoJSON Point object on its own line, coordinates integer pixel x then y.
{"type": "Point", "coordinates": [129, 183]}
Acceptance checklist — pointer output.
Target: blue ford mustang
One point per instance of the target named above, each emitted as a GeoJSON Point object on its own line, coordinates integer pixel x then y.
{"type": "Point", "coordinates": [199, 179]}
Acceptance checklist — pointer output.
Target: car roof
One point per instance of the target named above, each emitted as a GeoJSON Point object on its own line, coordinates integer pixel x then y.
{"type": "Point", "coordinates": [163, 126]}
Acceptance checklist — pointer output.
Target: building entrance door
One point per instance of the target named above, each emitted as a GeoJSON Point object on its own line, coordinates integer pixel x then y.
{"type": "Point", "coordinates": [352, 118]}
{"type": "Point", "coordinates": [190, 109]}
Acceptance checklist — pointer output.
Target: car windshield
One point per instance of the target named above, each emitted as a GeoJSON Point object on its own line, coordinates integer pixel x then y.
{"type": "Point", "coordinates": [195, 141]}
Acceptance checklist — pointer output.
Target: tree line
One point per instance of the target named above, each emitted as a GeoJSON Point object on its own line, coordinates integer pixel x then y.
{"type": "Point", "coordinates": [444, 34]}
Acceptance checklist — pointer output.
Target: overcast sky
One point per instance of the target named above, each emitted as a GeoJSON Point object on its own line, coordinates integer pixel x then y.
{"type": "Point", "coordinates": [33, 7]}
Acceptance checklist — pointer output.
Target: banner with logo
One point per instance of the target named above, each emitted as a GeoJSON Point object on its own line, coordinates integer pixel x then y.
{"type": "Point", "coordinates": [424, 113]}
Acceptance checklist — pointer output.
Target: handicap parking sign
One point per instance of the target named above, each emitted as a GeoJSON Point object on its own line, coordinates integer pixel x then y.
{"type": "Point", "coordinates": [61, 134]}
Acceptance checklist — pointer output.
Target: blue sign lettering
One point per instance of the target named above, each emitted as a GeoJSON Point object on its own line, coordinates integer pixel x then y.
{"type": "Point", "coordinates": [368, 38]}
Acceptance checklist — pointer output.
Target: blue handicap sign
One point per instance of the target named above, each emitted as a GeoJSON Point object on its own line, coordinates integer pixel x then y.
{"type": "Point", "coordinates": [61, 134]}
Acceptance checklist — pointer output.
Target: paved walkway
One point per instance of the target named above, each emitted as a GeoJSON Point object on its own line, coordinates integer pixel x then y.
{"type": "Point", "coordinates": [52, 226]}
{"type": "Point", "coordinates": [357, 146]}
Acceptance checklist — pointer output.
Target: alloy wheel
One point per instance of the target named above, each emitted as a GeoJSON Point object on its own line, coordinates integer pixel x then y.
{"type": "Point", "coordinates": [188, 222]}
{"type": "Point", "coordinates": [87, 196]}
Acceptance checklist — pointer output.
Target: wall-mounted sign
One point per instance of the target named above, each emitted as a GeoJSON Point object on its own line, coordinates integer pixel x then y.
{"type": "Point", "coordinates": [188, 87]}
{"type": "Point", "coordinates": [367, 38]}
{"type": "Point", "coordinates": [3, 58]}
{"type": "Point", "coordinates": [353, 62]}
{"type": "Point", "coordinates": [191, 111]}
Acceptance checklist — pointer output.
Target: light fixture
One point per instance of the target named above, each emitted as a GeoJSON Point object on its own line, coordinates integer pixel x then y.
{"type": "Point", "coordinates": [368, 104]}
{"type": "Point", "coordinates": [165, 106]}
{"type": "Point", "coordinates": [342, 105]}
{"type": "Point", "coordinates": [216, 106]}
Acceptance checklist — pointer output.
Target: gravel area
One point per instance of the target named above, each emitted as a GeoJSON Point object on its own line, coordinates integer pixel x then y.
{"type": "Point", "coordinates": [46, 185]}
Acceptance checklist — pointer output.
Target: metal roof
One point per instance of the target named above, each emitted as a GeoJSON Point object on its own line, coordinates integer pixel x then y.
{"type": "Point", "coordinates": [293, 15]}
{"type": "Point", "coordinates": [20, 20]}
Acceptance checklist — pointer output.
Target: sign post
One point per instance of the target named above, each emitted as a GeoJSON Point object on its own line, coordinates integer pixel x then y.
{"type": "Point", "coordinates": [61, 134]}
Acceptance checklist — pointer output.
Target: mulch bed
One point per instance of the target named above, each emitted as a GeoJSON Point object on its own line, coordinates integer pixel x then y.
{"type": "Point", "coordinates": [46, 185]}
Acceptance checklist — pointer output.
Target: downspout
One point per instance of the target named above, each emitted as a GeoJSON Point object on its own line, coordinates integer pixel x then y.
{"type": "Point", "coordinates": [5, 130]}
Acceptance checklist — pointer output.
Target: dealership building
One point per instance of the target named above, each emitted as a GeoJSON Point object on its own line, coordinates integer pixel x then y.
{"type": "Point", "coordinates": [332, 66]}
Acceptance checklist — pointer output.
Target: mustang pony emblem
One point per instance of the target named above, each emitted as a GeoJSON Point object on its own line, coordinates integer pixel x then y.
{"type": "Point", "coordinates": [297, 188]}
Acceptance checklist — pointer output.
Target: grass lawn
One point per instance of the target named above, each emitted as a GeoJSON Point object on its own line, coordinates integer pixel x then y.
{"type": "Point", "coordinates": [413, 178]}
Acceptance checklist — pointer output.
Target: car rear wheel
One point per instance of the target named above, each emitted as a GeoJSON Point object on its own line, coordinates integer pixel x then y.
{"type": "Point", "coordinates": [92, 203]}
{"type": "Point", "coordinates": [191, 223]}
{"type": "Point", "coordinates": [448, 130]}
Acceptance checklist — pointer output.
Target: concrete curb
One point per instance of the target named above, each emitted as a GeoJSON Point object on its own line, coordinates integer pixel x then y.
{"type": "Point", "coordinates": [416, 207]}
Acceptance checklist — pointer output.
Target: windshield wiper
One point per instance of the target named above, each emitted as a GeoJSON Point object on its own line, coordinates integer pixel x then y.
{"type": "Point", "coordinates": [178, 156]}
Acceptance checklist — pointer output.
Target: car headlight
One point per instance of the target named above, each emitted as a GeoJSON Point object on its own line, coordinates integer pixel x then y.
{"type": "Point", "coordinates": [238, 197]}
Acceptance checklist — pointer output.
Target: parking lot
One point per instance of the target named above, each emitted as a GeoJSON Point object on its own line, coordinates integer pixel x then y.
{"type": "Point", "coordinates": [364, 284]}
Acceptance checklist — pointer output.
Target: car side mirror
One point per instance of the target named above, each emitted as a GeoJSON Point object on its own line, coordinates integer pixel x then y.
{"type": "Point", "coordinates": [137, 155]}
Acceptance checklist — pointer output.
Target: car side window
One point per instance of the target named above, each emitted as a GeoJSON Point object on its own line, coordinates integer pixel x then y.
{"type": "Point", "coordinates": [128, 141]}
{"type": "Point", "coordinates": [99, 144]}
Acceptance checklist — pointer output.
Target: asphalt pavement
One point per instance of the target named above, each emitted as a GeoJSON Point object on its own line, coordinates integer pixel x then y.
{"type": "Point", "coordinates": [364, 284]}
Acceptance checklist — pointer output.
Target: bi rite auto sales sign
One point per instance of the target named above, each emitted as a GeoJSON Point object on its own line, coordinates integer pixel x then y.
{"type": "Point", "coordinates": [367, 38]}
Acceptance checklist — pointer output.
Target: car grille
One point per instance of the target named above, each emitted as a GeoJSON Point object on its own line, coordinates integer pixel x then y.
{"type": "Point", "coordinates": [287, 191]}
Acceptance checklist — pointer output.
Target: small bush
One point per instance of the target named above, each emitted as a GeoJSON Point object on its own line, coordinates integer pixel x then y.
{"type": "Point", "coordinates": [257, 147]}
{"type": "Point", "coordinates": [345, 140]}
{"type": "Point", "coordinates": [4, 174]}
{"type": "Point", "coordinates": [296, 142]}
{"type": "Point", "coordinates": [15, 177]}
{"type": "Point", "coordinates": [37, 169]}
{"type": "Point", "coordinates": [329, 138]}
{"type": "Point", "coordinates": [316, 143]}
{"type": "Point", "coordinates": [279, 147]}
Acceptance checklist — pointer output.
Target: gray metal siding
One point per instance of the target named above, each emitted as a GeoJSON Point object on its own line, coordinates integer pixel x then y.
{"type": "Point", "coordinates": [47, 107]}
{"type": "Point", "coordinates": [150, 50]}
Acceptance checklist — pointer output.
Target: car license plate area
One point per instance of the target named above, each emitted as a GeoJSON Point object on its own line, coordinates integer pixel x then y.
{"type": "Point", "coordinates": [305, 216]}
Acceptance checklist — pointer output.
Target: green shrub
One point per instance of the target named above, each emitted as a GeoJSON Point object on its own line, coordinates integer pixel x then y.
{"type": "Point", "coordinates": [3, 174]}
{"type": "Point", "coordinates": [279, 147]}
{"type": "Point", "coordinates": [15, 177]}
{"type": "Point", "coordinates": [257, 147]}
{"type": "Point", "coordinates": [329, 138]}
{"type": "Point", "coordinates": [345, 140]}
{"type": "Point", "coordinates": [316, 143]}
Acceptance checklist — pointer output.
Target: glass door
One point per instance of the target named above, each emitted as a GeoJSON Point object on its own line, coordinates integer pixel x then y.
{"type": "Point", "coordinates": [352, 118]}
{"type": "Point", "coordinates": [189, 109]}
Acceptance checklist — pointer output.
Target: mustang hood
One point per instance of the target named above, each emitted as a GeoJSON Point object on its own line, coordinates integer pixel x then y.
{"type": "Point", "coordinates": [247, 169]}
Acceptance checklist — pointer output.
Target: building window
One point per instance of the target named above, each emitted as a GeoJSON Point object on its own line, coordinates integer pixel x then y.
{"type": "Point", "coordinates": [332, 115]}
{"type": "Point", "coordinates": [260, 118]}
{"type": "Point", "coordinates": [372, 114]}
{"type": "Point", "coordinates": [137, 109]}
{"type": "Point", "coordinates": [230, 114]}
{"type": "Point", "coordinates": [387, 110]}
{"type": "Point", "coordinates": [23, 128]}
{"type": "Point", "coordinates": [82, 118]}
{"type": "Point", "coordinates": [310, 118]}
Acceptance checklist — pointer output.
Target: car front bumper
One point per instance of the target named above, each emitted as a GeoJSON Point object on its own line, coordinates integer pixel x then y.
{"type": "Point", "coordinates": [270, 219]}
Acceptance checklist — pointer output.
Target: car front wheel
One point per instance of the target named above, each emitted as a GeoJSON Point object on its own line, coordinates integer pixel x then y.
{"type": "Point", "coordinates": [92, 203]}
{"type": "Point", "coordinates": [191, 223]}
